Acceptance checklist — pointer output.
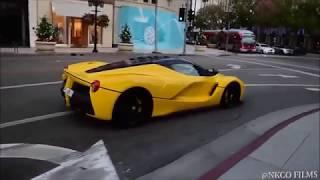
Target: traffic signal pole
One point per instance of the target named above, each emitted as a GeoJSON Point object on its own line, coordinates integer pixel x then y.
{"type": "Point", "coordinates": [185, 28]}
{"type": "Point", "coordinates": [155, 28]}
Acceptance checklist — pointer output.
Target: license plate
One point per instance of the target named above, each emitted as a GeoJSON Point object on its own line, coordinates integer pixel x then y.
{"type": "Point", "coordinates": [69, 92]}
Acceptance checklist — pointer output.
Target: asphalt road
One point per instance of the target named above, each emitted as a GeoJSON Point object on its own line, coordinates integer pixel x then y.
{"type": "Point", "coordinates": [273, 83]}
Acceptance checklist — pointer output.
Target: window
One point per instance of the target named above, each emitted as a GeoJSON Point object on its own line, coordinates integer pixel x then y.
{"type": "Point", "coordinates": [60, 23]}
{"type": "Point", "coordinates": [187, 69]}
{"type": "Point", "coordinates": [154, 1]}
{"type": "Point", "coordinates": [91, 35]}
{"type": "Point", "coordinates": [146, 1]}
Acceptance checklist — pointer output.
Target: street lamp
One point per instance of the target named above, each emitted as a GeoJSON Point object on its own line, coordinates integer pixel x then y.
{"type": "Point", "coordinates": [95, 3]}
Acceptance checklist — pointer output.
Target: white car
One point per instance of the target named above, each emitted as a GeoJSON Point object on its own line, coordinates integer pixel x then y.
{"type": "Point", "coordinates": [264, 48]}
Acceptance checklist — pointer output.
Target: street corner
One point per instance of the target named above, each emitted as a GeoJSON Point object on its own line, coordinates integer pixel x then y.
{"type": "Point", "coordinates": [65, 163]}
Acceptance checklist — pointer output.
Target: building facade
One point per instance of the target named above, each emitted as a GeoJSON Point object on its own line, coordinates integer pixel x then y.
{"type": "Point", "coordinates": [14, 21]}
{"type": "Point", "coordinates": [73, 31]}
{"type": "Point", "coordinates": [168, 33]}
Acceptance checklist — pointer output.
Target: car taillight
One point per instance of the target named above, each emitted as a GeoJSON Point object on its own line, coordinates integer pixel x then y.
{"type": "Point", "coordinates": [95, 85]}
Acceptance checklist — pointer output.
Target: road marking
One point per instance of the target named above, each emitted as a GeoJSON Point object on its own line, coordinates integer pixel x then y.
{"type": "Point", "coordinates": [286, 64]}
{"type": "Point", "coordinates": [313, 89]}
{"type": "Point", "coordinates": [269, 65]}
{"type": "Point", "coordinates": [278, 75]}
{"type": "Point", "coordinates": [250, 69]}
{"type": "Point", "coordinates": [282, 85]}
{"type": "Point", "coordinates": [94, 163]}
{"type": "Point", "coordinates": [34, 151]}
{"type": "Point", "coordinates": [34, 119]}
{"type": "Point", "coordinates": [30, 85]}
{"type": "Point", "coordinates": [234, 66]}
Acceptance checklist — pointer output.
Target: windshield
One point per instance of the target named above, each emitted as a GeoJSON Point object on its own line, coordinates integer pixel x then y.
{"type": "Point", "coordinates": [248, 40]}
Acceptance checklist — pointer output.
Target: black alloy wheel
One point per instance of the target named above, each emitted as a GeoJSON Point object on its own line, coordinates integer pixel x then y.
{"type": "Point", "coordinates": [231, 95]}
{"type": "Point", "coordinates": [131, 109]}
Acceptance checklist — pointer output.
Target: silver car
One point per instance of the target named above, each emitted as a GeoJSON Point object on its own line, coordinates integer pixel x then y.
{"type": "Point", "coordinates": [264, 49]}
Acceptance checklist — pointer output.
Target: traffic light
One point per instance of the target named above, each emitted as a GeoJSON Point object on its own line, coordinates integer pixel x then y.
{"type": "Point", "coordinates": [182, 14]}
{"type": "Point", "coordinates": [190, 15]}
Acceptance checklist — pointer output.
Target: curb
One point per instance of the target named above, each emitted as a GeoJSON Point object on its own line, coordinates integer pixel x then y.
{"type": "Point", "coordinates": [200, 161]}
{"type": "Point", "coordinates": [227, 164]}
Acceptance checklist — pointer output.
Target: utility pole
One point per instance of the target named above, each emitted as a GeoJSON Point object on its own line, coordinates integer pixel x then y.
{"type": "Point", "coordinates": [155, 28]}
{"type": "Point", "coordinates": [228, 24]}
{"type": "Point", "coordinates": [185, 27]}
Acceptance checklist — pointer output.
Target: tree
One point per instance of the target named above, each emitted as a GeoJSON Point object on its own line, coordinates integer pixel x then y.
{"type": "Point", "coordinates": [102, 20]}
{"type": "Point", "coordinates": [243, 13]}
{"type": "Point", "coordinates": [210, 17]}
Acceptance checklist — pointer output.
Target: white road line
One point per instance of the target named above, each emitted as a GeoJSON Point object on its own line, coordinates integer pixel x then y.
{"type": "Point", "coordinates": [30, 85]}
{"type": "Point", "coordinates": [269, 65]}
{"type": "Point", "coordinates": [250, 69]}
{"type": "Point", "coordinates": [71, 164]}
{"type": "Point", "coordinates": [283, 85]}
{"type": "Point", "coordinates": [34, 151]}
{"type": "Point", "coordinates": [34, 119]}
{"type": "Point", "coordinates": [313, 89]}
{"type": "Point", "coordinates": [286, 64]}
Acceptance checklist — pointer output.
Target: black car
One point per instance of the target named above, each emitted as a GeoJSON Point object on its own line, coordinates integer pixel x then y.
{"type": "Point", "coordinates": [299, 51]}
{"type": "Point", "coordinates": [283, 50]}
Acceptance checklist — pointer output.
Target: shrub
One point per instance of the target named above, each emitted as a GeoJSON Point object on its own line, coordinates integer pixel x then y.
{"type": "Point", "coordinates": [45, 31]}
{"type": "Point", "coordinates": [125, 35]}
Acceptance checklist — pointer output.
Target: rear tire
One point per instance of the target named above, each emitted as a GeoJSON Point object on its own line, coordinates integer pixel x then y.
{"type": "Point", "coordinates": [231, 95]}
{"type": "Point", "coordinates": [132, 107]}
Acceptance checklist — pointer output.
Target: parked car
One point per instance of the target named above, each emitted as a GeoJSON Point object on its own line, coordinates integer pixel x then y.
{"type": "Point", "coordinates": [283, 50]}
{"type": "Point", "coordinates": [264, 49]}
{"type": "Point", "coordinates": [299, 51]}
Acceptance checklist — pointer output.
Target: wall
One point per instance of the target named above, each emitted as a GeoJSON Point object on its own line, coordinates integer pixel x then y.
{"type": "Point", "coordinates": [162, 5]}
{"type": "Point", "coordinates": [141, 21]}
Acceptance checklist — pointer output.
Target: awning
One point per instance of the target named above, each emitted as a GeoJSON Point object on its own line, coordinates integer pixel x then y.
{"type": "Point", "coordinates": [72, 8]}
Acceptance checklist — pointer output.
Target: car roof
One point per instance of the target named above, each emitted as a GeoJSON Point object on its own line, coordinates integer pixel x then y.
{"type": "Point", "coordinates": [139, 61]}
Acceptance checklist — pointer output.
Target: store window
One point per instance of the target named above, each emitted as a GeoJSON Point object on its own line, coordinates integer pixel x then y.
{"type": "Point", "coordinates": [61, 25]}
{"type": "Point", "coordinates": [91, 35]}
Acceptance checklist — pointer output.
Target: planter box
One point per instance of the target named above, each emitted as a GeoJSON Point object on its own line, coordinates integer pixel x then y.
{"type": "Point", "coordinates": [200, 48]}
{"type": "Point", "coordinates": [212, 45]}
{"type": "Point", "coordinates": [45, 46]}
{"type": "Point", "coordinates": [125, 47]}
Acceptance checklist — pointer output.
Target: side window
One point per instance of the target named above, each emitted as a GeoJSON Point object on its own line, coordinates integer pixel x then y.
{"type": "Point", "coordinates": [187, 69]}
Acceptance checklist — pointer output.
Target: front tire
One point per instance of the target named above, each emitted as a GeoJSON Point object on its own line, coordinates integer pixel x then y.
{"type": "Point", "coordinates": [132, 108]}
{"type": "Point", "coordinates": [231, 95]}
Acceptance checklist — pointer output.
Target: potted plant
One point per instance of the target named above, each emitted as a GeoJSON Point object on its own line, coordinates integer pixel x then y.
{"type": "Point", "coordinates": [201, 44]}
{"type": "Point", "coordinates": [125, 37]}
{"type": "Point", "coordinates": [46, 35]}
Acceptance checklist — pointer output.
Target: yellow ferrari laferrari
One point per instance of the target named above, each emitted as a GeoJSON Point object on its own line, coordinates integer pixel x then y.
{"type": "Point", "coordinates": [130, 91]}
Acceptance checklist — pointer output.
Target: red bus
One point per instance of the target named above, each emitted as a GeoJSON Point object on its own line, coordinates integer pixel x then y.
{"type": "Point", "coordinates": [238, 39]}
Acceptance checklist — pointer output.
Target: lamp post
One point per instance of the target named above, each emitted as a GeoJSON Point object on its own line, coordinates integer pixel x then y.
{"type": "Point", "coordinates": [95, 3]}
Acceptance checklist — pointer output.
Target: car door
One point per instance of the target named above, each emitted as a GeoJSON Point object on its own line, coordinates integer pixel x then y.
{"type": "Point", "coordinates": [198, 85]}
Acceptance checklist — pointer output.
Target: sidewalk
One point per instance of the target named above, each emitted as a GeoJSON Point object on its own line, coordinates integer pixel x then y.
{"type": "Point", "coordinates": [284, 143]}
{"type": "Point", "coordinates": [58, 50]}
{"type": "Point", "coordinates": [190, 50]}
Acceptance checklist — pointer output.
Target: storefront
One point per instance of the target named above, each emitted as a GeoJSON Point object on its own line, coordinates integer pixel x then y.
{"type": "Point", "coordinates": [67, 16]}
{"type": "Point", "coordinates": [14, 23]}
{"type": "Point", "coordinates": [168, 33]}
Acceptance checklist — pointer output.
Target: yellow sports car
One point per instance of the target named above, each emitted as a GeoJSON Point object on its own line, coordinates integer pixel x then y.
{"type": "Point", "coordinates": [130, 91]}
